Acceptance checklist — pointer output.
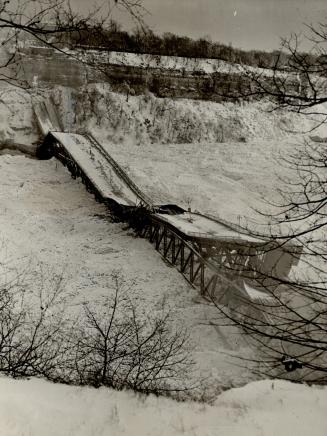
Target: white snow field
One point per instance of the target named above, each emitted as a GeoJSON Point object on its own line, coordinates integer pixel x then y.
{"type": "Point", "coordinates": [269, 408]}
{"type": "Point", "coordinates": [227, 180]}
{"type": "Point", "coordinates": [49, 219]}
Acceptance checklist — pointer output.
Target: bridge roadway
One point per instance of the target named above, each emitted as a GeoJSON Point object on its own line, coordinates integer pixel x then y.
{"type": "Point", "coordinates": [216, 257]}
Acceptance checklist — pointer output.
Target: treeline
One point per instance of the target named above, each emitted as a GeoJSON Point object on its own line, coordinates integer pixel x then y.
{"type": "Point", "coordinates": [139, 41]}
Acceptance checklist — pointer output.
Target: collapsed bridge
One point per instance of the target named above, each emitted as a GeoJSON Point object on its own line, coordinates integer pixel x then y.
{"type": "Point", "coordinates": [221, 260]}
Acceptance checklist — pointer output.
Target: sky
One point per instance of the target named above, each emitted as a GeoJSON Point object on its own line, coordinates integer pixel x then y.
{"type": "Point", "coordinates": [247, 24]}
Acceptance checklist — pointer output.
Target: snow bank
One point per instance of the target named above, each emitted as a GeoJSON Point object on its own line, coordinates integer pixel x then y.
{"type": "Point", "coordinates": [34, 407]}
{"type": "Point", "coordinates": [17, 123]}
{"type": "Point", "coordinates": [147, 119]}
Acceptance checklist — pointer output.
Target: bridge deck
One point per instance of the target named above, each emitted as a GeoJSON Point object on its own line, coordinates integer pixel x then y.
{"type": "Point", "coordinates": [47, 116]}
{"type": "Point", "coordinates": [190, 241]}
{"type": "Point", "coordinates": [96, 167]}
{"type": "Point", "coordinates": [198, 226]}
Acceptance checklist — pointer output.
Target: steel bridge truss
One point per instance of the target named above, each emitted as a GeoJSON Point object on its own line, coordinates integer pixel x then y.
{"type": "Point", "coordinates": [214, 268]}
{"type": "Point", "coordinates": [179, 253]}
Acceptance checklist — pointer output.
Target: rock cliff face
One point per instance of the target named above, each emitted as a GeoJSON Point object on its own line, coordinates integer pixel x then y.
{"type": "Point", "coordinates": [133, 113]}
{"type": "Point", "coordinates": [46, 67]}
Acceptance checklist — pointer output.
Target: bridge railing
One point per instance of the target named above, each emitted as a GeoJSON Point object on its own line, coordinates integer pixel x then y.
{"type": "Point", "coordinates": [121, 173]}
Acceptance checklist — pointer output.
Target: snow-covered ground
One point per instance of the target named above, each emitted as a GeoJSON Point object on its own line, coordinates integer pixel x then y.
{"type": "Point", "coordinates": [227, 180]}
{"type": "Point", "coordinates": [269, 408]}
{"type": "Point", "coordinates": [49, 219]}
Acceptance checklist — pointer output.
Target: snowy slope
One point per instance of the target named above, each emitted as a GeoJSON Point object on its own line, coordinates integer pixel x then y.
{"type": "Point", "coordinates": [34, 407]}
{"type": "Point", "coordinates": [52, 219]}
{"type": "Point", "coordinates": [147, 119]}
{"type": "Point", "coordinates": [222, 162]}
{"type": "Point", "coordinates": [49, 219]}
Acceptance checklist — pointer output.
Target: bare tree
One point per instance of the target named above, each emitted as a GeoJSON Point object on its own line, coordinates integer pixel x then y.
{"type": "Point", "coordinates": [297, 79]}
{"type": "Point", "coordinates": [283, 309]}
{"type": "Point", "coordinates": [109, 342]}
{"type": "Point", "coordinates": [33, 322]}
{"type": "Point", "coordinates": [284, 316]}
{"type": "Point", "coordinates": [118, 346]}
